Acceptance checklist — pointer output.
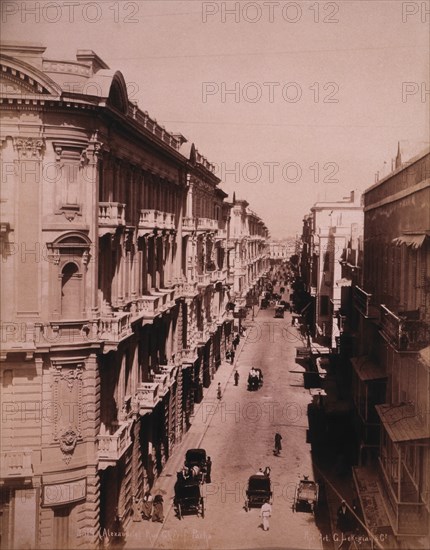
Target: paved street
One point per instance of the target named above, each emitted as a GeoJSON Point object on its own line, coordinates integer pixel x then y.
{"type": "Point", "coordinates": [238, 434]}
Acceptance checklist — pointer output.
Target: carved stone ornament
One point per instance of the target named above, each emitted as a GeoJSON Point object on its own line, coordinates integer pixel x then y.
{"type": "Point", "coordinates": [29, 148]}
{"type": "Point", "coordinates": [68, 439]}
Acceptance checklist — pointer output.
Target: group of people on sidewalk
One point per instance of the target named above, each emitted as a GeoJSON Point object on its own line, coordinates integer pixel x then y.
{"type": "Point", "coordinates": [148, 508]}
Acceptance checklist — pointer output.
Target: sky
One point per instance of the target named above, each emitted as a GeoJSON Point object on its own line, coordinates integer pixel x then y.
{"type": "Point", "coordinates": [293, 102]}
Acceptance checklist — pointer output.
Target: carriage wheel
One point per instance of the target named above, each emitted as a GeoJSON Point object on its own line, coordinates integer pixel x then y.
{"type": "Point", "coordinates": [203, 508]}
{"type": "Point", "coordinates": [179, 512]}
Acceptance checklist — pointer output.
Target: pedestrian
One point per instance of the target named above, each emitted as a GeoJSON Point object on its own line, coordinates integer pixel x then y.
{"type": "Point", "coordinates": [147, 506]}
{"type": "Point", "coordinates": [343, 518]}
{"type": "Point", "coordinates": [137, 509]}
{"type": "Point", "coordinates": [265, 513]}
{"type": "Point", "coordinates": [158, 514]}
{"type": "Point", "coordinates": [218, 392]}
{"type": "Point", "coordinates": [267, 471]}
{"type": "Point", "coordinates": [278, 445]}
{"type": "Point", "coordinates": [228, 355]}
{"type": "Point", "coordinates": [208, 469]}
{"type": "Point", "coordinates": [236, 378]}
{"type": "Point", "coordinates": [232, 354]}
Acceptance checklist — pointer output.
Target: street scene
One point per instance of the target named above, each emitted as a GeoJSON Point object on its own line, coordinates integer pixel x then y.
{"type": "Point", "coordinates": [238, 434]}
{"type": "Point", "coordinates": [215, 275]}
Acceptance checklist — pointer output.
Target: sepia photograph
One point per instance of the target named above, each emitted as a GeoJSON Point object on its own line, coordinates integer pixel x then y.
{"type": "Point", "coordinates": [215, 275]}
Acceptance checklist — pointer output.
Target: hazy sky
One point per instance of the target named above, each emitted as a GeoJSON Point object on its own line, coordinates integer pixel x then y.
{"type": "Point", "coordinates": [321, 91]}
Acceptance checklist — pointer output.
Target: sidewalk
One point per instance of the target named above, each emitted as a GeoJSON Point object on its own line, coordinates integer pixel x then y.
{"type": "Point", "coordinates": [145, 534]}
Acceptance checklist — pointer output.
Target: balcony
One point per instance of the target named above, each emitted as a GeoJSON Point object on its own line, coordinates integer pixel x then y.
{"type": "Point", "coordinates": [163, 383]}
{"type": "Point", "coordinates": [112, 447]}
{"type": "Point", "coordinates": [187, 355]}
{"type": "Point", "coordinates": [114, 329]}
{"type": "Point", "coordinates": [154, 219]}
{"type": "Point", "coordinates": [207, 224]}
{"type": "Point", "coordinates": [147, 396]}
{"type": "Point", "coordinates": [203, 280]}
{"type": "Point", "coordinates": [363, 303]}
{"type": "Point", "coordinates": [169, 371]}
{"type": "Point", "coordinates": [403, 333]}
{"type": "Point", "coordinates": [221, 234]}
{"type": "Point", "coordinates": [188, 224]}
{"type": "Point", "coordinates": [16, 464]}
{"type": "Point", "coordinates": [111, 216]}
{"type": "Point", "coordinates": [148, 307]}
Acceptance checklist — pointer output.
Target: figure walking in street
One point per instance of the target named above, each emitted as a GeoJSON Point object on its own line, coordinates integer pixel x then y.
{"type": "Point", "coordinates": [278, 445]}
{"type": "Point", "coordinates": [137, 509]}
{"type": "Point", "coordinates": [218, 392]}
{"type": "Point", "coordinates": [265, 513]}
{"type": "Point", "coordinates": [236, 378]}
{"type": "Point", "coordinates": [158, 514]}
{"type": "Point", "coordinates": [147, 506]}
{"type": "Point", "coordinates": [208, 469]}
{"type": "Point", "coordinates": [232, 354]}
{"type": "Point", "coordinates": [344, 518]}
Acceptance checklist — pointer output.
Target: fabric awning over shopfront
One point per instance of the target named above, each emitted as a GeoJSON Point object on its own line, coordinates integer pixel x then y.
{"type": "Point", "coordinates": [367, 369]}
{"type": "Point", "coordinates": [414, 240]}
{"type": "Point", "coordinates": [402, 422]}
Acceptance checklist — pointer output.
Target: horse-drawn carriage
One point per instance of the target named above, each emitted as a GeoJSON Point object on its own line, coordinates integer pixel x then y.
{"type": "Point", "coordinates": [188, 497]}
{"type": "Point", "coordinates": [196, 463]}
{"type": "Point", "coordinates": [255, 379]}
{"type": "Point", "coordinates": [306, 496]}
{"type": "Point", "coordinates": [259, 490]}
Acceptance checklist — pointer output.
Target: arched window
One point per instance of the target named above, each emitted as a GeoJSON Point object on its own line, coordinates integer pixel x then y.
{"type": "Point", "coordinates": [71, 283]}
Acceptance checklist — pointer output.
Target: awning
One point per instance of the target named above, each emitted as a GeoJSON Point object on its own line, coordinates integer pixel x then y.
{"type": "Point", "coordinates": [367, 369]}
{"type": "Point", "coordinates": [402, 422]}
{"type": "Point", "coordinates": [414, 240]}
{"type": "Point", "coordinates": [344, 282]}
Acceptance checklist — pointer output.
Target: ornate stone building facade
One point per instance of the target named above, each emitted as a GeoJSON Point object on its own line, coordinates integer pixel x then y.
{"type": "Point", "coordinates": [116, 273]}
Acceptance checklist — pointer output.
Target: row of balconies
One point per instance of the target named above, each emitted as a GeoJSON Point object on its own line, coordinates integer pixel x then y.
{"type": "Point", "coordinates": [112, 215]}
{"type": "Point", "coordinates": [148, 394]}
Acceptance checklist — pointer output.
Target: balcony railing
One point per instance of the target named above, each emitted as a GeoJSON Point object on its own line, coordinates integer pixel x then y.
{"type": "Point", "coordinates": [111, 214]}
{"type": "Point", "coordinates": [207, 224]}
{"type": "Point", "coordinates": [163, 383]}
{"type": "Point", "coordinates": [112, 447]}
{"type": "Point", "coordinates": [188, 224]}
{"type": "Point", "coordinates": [16, 464]}
{"type": "Point", "coordinates": [402, 333]}
{"type": "Point", "coordinates": [116, 328]}
{"type": "Point", "coordinates": [150, 219]}
{"type": "Point", "coordinates": [363, 302]}
{"type": "Point", "coordinates": [147, 395]}
{"type": "Point", "coordinates": [204, 279]}
{"type": "Point", "coordinates": [149, 306]}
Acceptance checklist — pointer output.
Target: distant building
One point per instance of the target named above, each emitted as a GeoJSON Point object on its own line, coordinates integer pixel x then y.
{"type": "Point", "coordinates": [278, 251]}
{"type": "Point", "coordinates": [326, 231]}
{"type": "Point", "coordinates": [248, 254]}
